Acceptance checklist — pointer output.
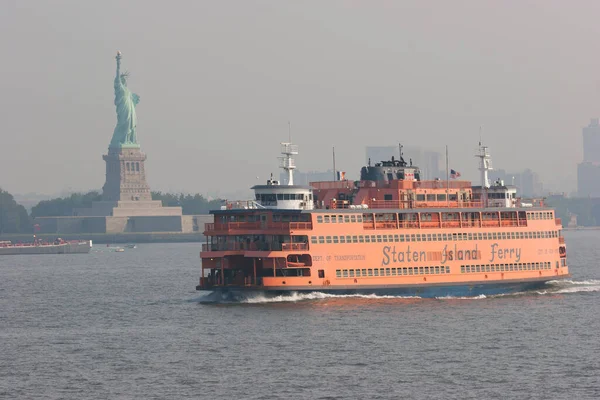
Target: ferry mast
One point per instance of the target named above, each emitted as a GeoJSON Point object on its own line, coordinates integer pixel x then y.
{"type": "Point", "coordinates": [288, 150]}
{"type": "Point", "coordinates": [485, 165]}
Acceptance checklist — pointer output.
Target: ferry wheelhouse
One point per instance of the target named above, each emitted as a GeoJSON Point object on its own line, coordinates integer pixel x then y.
{"type": "Point", "coordinates": [388, 233]}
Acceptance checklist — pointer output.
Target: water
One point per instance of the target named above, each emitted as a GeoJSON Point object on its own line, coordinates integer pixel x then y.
{"type": "Point", "coordinates": [131, 326]}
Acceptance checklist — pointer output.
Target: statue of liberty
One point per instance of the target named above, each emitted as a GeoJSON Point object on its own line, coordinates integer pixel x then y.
{"type": "Point", "coordinates": [125, 102]}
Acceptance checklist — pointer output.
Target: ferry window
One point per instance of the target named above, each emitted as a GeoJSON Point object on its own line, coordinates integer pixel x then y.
{"type": "Point", "coordinates": [313, 239]}
{"type": "Point", "coordinates": [434, 237]}
{"type": "Point", "coordinates": [420, 270]}
{"type": "Point", "coordinates": [441, 197]}
{"type": "Point", "coordinates": [370, 272]}
{"type": "Point", "coordinates": [418, 237]}
{"type": "Point", "coordinates": [364, 272]}
{"type": "Point", "coordinates": [351, 273]}
{"type": "Point", "coordinates": [404, 271]}
{"type": "Point", "coordinates": [321, 273]}
{"type": "Point", "coordinates": [487, 268]}
{"type": "Point", "coordinates": [279, 196]}
{"type": "Point", "coordinates": [333, 219]}
{"type": "Point", "coordinates": [355, 239]}
{"type": "Point", "coordinates": [385, 238]}
{"type": "Point", "coordinates": [376, 272]}
{"type": "Point", "coordinates": [437, 270]}
{"type": "Point", "coordinates": [469, 236]}
{"type": "Point", "coordinates": [353, 218]}
{"type": "Point", "coordinates": [378, 238]}
{"type": "Point", "coordinates": [402, 238]}
{"type": "Point", "coordinates": [338, 273]}
{"type": "Point", "coordinates": [361, 239]}
{"type": "Point", "coordinates": [345, 273]}
{"type": "Point", "coordinates": [393, 271]}
{"type": "Point", "coordinates": [447, 270]}
{"type": "Point", "coordinates": [462, 269]}
{"type": "Point", "coordinates": [319, 218]}
{"type": "Point", "coordinates": [335, 239]}
{"type": "Point", "coordinates": [444, 237]}
{"type": "Point", "coordinates": [388, 272]}
{"type": "Point", "coordinates": [387, 197]}
{"type": "Point", "coordinates": [431, 197]}
{"type": "Point", "coordinates": [346, 218]}
{"type": "Point", "coordinates": [367, 239]}
{"type": "Point", "coordinates": [321, 239]}
{"type": "Point", "coordinates": [494, 236]}
{"type": "Point", "coordinates": [328, 239]}
{"type": "Point", "coordinates": [477, 268]}
{"type": "Point", "coordinates": [372, 238]}
{"type": "Point", "coordinates": [327, 219]}
{"type": "Point", "coordinates": [504, 235]}
{"type": "Point", "coordinates": [342, 239]}
{"type": "Point", "coordinates": [410, 270]}
{"type": "Point", "coordinates": [359, 218]}
{"type": "Point", "coordinates": [348, 239]}
{"type": "Point", "coordinates": [396, 238]}
{"type": "Point", "coordinates": [420, 197]}
{"type": "Point", "coordinates": [426, 270]}
{"type": "Point", "coordinates": [358, 273]}
{"type": "Point", "coordinates": [452, 197]}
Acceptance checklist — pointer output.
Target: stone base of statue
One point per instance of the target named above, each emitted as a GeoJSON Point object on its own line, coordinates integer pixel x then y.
{"type": "Point", "coordinates": [126, 192]}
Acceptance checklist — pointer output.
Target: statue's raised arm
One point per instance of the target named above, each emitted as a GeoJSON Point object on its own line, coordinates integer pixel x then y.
{"type": "Point", "coordinates": [125, 103]}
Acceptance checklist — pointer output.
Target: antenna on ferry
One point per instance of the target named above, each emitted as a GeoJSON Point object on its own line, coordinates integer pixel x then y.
{"type": "Point", "coordinates": [485, 165]}
{"type": "Point", "coordinates": [287, 161]}
{"type": "Point", "coordinates": [290, 131]}
{"type": "Point", "coordinates": [334, 175]}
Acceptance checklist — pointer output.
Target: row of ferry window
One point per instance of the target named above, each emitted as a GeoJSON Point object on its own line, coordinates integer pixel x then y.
{"type": "Point", "coordinates": [506, 267]}
{"type": "Point", "coordinates": [366, 272]}
{"type": "Point", "coordinates": [540, 215]}
{"type": "Point", "coordinates": [446, 216]}
{"type": "Point", "coordinates": [339, 218]}
{"type": "Point", "coordinates": [433, 237]}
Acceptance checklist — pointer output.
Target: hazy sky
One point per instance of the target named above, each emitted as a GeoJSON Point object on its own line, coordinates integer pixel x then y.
{"type": "Point", "coordinates": [220, 80]}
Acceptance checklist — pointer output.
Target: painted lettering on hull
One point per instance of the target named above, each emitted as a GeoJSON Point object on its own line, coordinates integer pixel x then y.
{"type": "Point", "coordinates": [390, 255]}
{"type": "Point", "coordinates": [504, 253]}
{"type": "Point", "coordinates": [459, 254]}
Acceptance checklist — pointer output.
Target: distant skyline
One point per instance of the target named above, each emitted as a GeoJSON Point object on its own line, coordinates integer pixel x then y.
{"type": "Point", "coordinates": [219, 82]}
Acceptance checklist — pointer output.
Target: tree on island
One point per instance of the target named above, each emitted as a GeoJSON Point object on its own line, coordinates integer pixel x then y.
{"type": "Point", "coordinates": [190, 204]}
{"type": "Point", "coordinates": [64, 206]}
{"type": "Point", "coordinates": [13, 216]}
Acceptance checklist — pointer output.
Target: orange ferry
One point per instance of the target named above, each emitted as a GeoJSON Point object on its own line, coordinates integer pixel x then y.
{"type": "Point", "coordinates": [388, 233]}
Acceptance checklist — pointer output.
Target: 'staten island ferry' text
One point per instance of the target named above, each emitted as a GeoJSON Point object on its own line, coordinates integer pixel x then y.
{"type": "Point", "coordinates": [388, 233]}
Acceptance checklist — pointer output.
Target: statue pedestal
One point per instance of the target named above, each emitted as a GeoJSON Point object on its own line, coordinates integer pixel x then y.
{"type": "Point", "coordinates": [125, 175]}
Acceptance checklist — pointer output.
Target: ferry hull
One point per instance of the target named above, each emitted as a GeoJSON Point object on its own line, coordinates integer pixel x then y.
{"type": "Point", "coordinates": [237, 293]}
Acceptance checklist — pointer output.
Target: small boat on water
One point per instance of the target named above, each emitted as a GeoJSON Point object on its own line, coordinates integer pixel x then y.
{"type": "Point", "coordinates": [131, 246]}
{"type": "Point", "coordinates": [38, 246]}
{"type": "Point", "coordinates": [119, 250]}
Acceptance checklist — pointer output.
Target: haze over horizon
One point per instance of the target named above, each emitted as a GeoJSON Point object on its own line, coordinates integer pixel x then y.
{"type": "Point", "coordinates": [219, 82]}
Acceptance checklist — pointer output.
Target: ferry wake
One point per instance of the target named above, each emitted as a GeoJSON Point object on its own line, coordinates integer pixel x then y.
{"type": "Point", "coordinates": [389, 233]}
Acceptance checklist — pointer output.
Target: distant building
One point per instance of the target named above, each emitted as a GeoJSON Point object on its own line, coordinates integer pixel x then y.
{"type": "Point", "coordinates": [588, 171]}
{"type": "Point", "coordinates": [428, 161]}
{"type": "Point", "coordinates": [528, 182]}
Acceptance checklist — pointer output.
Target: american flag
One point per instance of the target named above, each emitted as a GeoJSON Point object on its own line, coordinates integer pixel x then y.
{"type": "Point", "coordinates": [454, 174]}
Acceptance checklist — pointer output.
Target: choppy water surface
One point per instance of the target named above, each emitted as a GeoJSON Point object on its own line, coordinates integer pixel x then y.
{"type": "Point", "coordinates": [130, 326]}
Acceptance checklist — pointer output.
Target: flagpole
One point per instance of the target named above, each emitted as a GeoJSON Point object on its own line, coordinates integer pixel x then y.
{"type": "Point", "coordinates": [447, 180]}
